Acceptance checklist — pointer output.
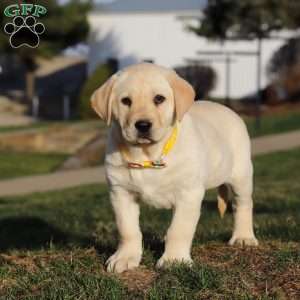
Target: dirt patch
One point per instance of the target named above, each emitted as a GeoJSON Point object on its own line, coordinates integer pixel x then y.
{"type": "Point", "coordinates": [138, 279]}
{"type": "Point", "coordinates": [289, 281]}
{"type": "Point", "coordinates": [260, 269]}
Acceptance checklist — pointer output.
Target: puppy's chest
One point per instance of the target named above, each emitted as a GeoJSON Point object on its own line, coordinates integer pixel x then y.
{"type": "Point", "coordinates": [153, 187]}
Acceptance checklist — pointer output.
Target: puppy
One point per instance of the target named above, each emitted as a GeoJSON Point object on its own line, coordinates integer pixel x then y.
{"type": "Point", "coordinates": [166, 149]}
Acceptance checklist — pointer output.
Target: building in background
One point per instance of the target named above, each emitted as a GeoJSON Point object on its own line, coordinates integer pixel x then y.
{"type": "Point", "coordinates": [58, 82]}
{"type": "Point", "coordinates": [132, 31]}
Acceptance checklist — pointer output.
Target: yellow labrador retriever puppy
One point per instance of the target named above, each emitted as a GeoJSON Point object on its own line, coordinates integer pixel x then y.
{"type": "Point", "coordinates": [166, 149]}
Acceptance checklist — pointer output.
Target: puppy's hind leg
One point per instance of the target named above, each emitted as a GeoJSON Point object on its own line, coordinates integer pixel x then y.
{"type": "Point", "coordinates": [243, 233]}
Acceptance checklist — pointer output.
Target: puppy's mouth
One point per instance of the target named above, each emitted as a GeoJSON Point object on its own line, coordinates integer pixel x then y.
{"type": "Point", "coordinates": [142, 139]}
{"type": "Point", "coordinates": [139, 138]}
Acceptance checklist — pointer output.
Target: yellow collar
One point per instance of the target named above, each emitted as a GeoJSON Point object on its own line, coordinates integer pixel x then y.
{"type": "Point", "coordinates": [156, 164]}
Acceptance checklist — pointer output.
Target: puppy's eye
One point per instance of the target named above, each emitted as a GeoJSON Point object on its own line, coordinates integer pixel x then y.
{"type": "Point", "coordinates": [126, 101]}
{"type": "Point", "coordinates": [158, 99]}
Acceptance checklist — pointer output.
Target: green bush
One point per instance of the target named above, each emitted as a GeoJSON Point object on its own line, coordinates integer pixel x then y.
{"type": "Point", "coordinates": [100, 75]}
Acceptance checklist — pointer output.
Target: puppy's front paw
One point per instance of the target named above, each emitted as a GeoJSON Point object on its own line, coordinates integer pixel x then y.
{"type": "Point", "coordinates": [124, 259]}
{"type": "Point", "coordinates": [167, 260]}
{"type": "Point", "coordinates": [243, 241]}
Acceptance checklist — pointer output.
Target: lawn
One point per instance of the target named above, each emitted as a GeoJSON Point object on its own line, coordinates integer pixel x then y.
{"type": "Point", "coordinates": [53, 246]}
{"type": "Point", "coordinates": [272, 124]}
{"type": "Point", "coordinates": [17, 164]}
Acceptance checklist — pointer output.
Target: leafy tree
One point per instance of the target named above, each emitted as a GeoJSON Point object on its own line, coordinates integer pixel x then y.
{"type": "Point", "coordinates": [284, 59]}
{"type": "Point", "coordinates": [284, 67]}
{"type": "Point", "coordinates": [66, 25]}
{"type": "Point", "coordinates": [247, 19]}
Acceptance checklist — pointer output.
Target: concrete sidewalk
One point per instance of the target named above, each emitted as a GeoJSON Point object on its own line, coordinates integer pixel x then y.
{"type": "Point", "coordinates": [276, 142]}
{"type": "Point", "coordinates": [66, 179]}
{"type": "Point", "coordinates": [53, 181]}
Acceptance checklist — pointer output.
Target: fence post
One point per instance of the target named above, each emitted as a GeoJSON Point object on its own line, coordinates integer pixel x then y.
{"type": "Point", "coordinates": [35, 106]}
{"type": "Point", "coordinates": [258, 98]}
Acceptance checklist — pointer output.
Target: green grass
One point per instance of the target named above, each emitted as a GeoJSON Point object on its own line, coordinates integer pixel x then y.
{"type": "Point", "coordinates": [274, 124]}
{"type": "Point", "coordinates": [18, 164]}
{"type": "Point", "coordinates": [54, 245]}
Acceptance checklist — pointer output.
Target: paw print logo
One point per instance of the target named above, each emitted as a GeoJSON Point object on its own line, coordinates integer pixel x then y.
{"type": "Point", "coordinates": [24, 32]}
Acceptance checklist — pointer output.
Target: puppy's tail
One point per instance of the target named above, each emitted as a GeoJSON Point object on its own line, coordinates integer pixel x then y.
{"type": "Point", "coordinates": [223, 199]}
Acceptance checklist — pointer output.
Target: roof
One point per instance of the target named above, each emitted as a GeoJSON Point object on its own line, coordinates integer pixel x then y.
{"type": "Point", "coordinates": [122, 6]}
{"type": "Point", "coordinates": [57, 63]}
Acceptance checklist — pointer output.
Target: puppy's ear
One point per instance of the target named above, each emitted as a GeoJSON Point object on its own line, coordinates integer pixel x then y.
{"type": "Point", "coordinates": [102, 98]}
{"type": "Point", "coordinates": [184, 94]}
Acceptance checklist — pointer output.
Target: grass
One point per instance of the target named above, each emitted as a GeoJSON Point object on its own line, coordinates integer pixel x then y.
{"type": "Point", "coordinates": [272, 124]}
{"type": "Point", "coordinates": [54, 245]}
{"type": "Point", "coordinates": [17, 164]}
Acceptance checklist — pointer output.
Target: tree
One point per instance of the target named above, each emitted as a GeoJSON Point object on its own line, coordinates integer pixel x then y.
{"type": "Point", "coordinates": [284, 59]}
{"type": "Point", "coordinates": [247, 19]}
{"type": "Point", "coordinates": [65, 25]}
{"type": "Point", "coordinates": [284, 67]}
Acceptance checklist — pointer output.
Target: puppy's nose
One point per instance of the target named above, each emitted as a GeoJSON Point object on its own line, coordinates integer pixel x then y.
{"type": "Point", "coordinates": [143, 126]}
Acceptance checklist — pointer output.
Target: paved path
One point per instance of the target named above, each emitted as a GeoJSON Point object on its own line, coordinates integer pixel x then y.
{"type": "Point", "coordinates": [66, 179]}
{"type": "Point", "coordinates": [49, 182]}
{"type": "Point", "coordinates": [276, 142]}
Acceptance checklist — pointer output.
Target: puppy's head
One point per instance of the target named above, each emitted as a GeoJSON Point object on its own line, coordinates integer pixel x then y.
{"type": "Point", "coordinates": [145, 100]}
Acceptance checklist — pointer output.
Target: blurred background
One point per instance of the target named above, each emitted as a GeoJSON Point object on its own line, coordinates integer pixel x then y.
{"type": "Point", "coordinates": [244, 54]}
{"type": "Point", "coordinates": [56, 224]}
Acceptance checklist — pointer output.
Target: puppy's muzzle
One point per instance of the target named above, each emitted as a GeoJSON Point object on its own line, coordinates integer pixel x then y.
{"type": "Point", "coordinates": [143, 127]}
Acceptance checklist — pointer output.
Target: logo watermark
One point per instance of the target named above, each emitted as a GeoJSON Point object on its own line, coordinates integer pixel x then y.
{"type": "Point", "coordinates": [24, 30]}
